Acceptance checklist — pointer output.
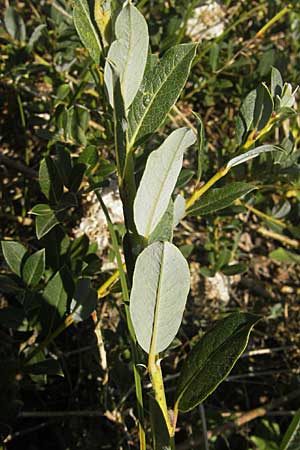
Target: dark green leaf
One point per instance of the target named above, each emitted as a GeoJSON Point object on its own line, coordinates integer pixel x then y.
{"type": "Point", "coordinates": [89, 156]}
{"type": "Point", "coordinates": [86, 29]}
{"type": "Point", "coordinates": [160, 433]}
{"type": "Point", "coordinates": [34, 267]}
{"type": "Point", "coordinates": [13, 253]}
{"type": "Point", "coordinates": [63, 164]}
{"type": "Point", "coordinates": [50, 181]}
{"type": "Point", "coordinates": [14, 24]}
{"type": "Point", "coordinates": [164, 229]}
{"type": "Point", "coordinates": [234, 269]}
{"type": "Point", "coordinates": [76, 177]}
{"type": "Point", "coordinates": [44, 223]}
{"type": "Point", "coordinates": [159, 91]}
{"type": "Point", "coordinates": [211, 360]}
{"type": "Point", "coordinates": [57, 295]}
{"type": "Point", "coordinates": [84, 301]}
{"type": "Point", "coordinates": [184, 177]}
{"type": "Point", "coordinates": [220, 198]}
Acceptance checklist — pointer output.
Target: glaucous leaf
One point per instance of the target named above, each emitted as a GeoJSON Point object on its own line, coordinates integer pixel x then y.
{"type": "Point", "coordinates": [276, 82]}
{"type": "Point", "coordinates": [127, 55]}
{"type": "Point", "coordinates": [211, 360]}
{"type": "Point", "coordinates": [161, 87]}
{"type": "Point", "coordinates": [179, 209]}
{"type": "Point", "coordinates": [86, 30]}
{"type": "Point", "coordinates": [244, 157]}
{"type": "Point", "coordinates": [220, 198]}
{"type": "Point", "coordinates": [34, 267]}
{"type": "Point", "coordinates": [13, 253]}
{"type": "Point", "coordinates": [161, 282]}
{"type": "Point", "coordinates": [159, 179]}
{"type": "Point", "coordinates": [291, 439]}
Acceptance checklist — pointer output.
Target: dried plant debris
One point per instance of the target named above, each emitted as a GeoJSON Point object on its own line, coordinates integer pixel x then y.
{"type": "Point", "coordinates": [208, 22]}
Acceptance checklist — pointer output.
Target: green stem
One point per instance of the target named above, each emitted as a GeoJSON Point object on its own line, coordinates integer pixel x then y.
{"type": "Point", "coordinates": [158, 388]}
{"type": "Point", "coordinates": [133, 345]}
{"type": "Point", "coordinates": [199, 192]}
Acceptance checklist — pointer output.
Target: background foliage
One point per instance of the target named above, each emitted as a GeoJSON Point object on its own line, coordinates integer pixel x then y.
{"type": "Point", "coordinates": [54, 123]}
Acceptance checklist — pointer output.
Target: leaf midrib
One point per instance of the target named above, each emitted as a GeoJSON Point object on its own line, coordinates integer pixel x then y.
{"type": "Point", "coordinates": [90, 22]}
{"type": "Point", "coordinates": [157, 303]}
{"type": "Point", "coordinates": [132, 140]}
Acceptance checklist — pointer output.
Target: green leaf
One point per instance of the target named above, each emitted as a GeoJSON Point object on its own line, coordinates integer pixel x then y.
{"type": "Point", "coordinates": [286, 256]}
{"type": "Point", "coordinates": [76, 177]}
{"type": "Point", "coordinates": [84, 300]}
{"type": "Point", "coordinates": [45, 222]}
{"type": "Point", "coordinates": [13, 253]}
{"type": "Point", "coordinates": [161, 282]}
{"type": "Point", "coordinates": [211, 360]}
{"type": "Point", "coordinates": [89, 156]}
{"type": "Point", "coordinates": [263, 107]}
{"type": "Point", "coordinates": [291, 439]}
{"type": "Point", "coordinates": [164, 229]}
{"type": "Point", "coordinates": [220, 198]}
{"type": "Point", "coordinates": [127, 54]}
{"type": "Point", "coordinates": [245, 117]}
{"type": "Point", "coordinates": [159, 180]}
{"type": "Point", "coordinates": [56, 294]}
{"type": "Point", "coordinates": [159, 428]}
{"type": "Point", "coordinates": [36, 35]}
{"type": "Point", "coordinates": [63, 164]}
{"type": "Point", "coordinates": [244, 157]}
{"type": "Point", "coordinates": [14, 24]}
{"type": "Point", "coordinates": [50, 180]}
{"type": "Point", "coordinates": [86, 30]}
{"type": "Point", "coordinates": [103, 12]}
{"type": "Point", "coordinates": [34, 267]}
{"type": "Point", "coordinates": [160, 89]}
